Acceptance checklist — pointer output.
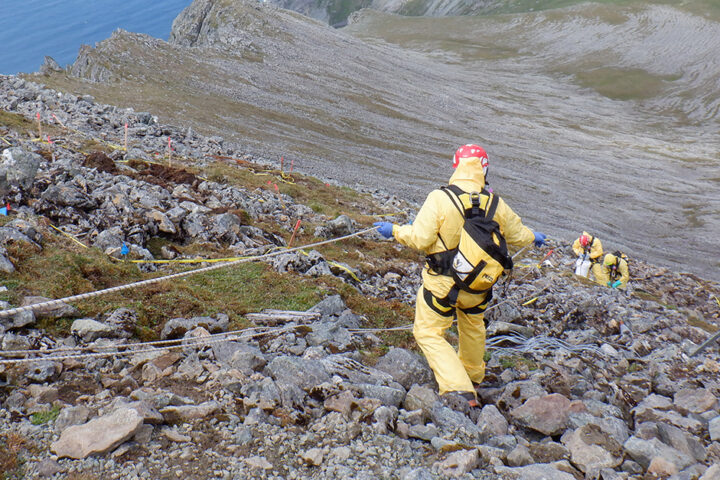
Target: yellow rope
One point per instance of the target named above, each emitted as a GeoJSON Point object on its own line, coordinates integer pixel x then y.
{"type": "Point", "coordinates": [70, 236]}
{"type": "Point", "coordinates": [530, 302]}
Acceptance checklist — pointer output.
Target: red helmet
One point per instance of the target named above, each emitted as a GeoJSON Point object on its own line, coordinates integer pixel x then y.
{"type": "Point", "coordinates": [584, 240]}
{"type": "Point", "coordinates": [471, 151]}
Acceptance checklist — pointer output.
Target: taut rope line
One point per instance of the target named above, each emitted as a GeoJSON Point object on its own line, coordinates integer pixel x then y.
{"type": "Point", "coordinates": [180, 343]}
{"type": "Point", "coordinates": [84, 296]}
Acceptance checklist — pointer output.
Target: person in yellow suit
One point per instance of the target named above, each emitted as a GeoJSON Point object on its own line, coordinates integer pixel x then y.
{"type": "Point", "coordinates": [437, 228]}
{"type": "Point", "coordinates": [613, 271]}
{"type": "Point", "coordinates": [588, 250]}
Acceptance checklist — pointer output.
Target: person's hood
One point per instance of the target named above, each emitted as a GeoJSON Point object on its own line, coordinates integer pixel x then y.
{"type": "Point", "coordinates": [469, 175]}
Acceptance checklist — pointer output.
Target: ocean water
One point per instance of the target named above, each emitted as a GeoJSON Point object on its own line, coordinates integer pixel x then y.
{"type": "Point", "coordinates": [31, 29]}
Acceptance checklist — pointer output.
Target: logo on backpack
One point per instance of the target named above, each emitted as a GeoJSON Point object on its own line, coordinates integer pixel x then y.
{"type": "Point", "coordinates": [481, 255]}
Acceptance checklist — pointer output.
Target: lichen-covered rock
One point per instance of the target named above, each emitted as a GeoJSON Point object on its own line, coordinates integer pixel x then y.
{"type": "Point", "coordinates": [406, 367]}
{"type": "Point", "coordinates": [98, 435]}
{"type": "Point", "coordinates": [547, 414]}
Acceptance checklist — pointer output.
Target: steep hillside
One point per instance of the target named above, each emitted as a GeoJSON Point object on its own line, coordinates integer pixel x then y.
{"type": "Point", "coordinates": [562, 100]}
{"type": "Point", "coordinates": [301, 364]}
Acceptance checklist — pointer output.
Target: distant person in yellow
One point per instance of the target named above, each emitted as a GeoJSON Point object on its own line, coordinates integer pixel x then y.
{"type": "Point", "coordinates": [437, 229]}
{"type": "Point", "coordinates": [588, 250]}
{"type": "Point", "coordinates": [613, 271]}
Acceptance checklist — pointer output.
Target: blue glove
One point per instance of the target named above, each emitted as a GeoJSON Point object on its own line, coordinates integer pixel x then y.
{"type": "Point", "coordinates": [385, 228]}
{"type": "Point", "coordinates": [539, 239]}
{"type": "Point", "coordinates": [616, 284]}
{"type": "Point", "coordinates": [609, 283]}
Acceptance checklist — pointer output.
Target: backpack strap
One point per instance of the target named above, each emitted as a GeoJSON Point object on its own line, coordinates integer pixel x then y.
{"type": "Point", "coordinates": [455, 198]}
{"type": "Point", "coordinates": [490, 207]}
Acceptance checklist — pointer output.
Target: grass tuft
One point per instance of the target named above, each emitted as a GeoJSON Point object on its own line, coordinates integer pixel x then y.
{"type": "Point", "coordinates": [41, 418]}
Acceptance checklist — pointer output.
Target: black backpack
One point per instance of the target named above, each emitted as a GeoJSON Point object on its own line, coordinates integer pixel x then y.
{"type": "Point", "coordinates": [481, 255]}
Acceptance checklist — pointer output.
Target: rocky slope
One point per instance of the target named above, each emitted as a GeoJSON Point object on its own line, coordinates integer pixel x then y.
{"type": "Point", "coordinates": [379, 105]}
{"type": "Point", "coordinates": [294, 396]}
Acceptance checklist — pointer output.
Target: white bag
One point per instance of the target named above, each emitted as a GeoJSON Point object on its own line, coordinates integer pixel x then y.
{"type": "Point", "coordinates": [582, 265]}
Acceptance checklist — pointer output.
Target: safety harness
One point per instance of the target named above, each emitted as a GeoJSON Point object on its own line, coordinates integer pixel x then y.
{"type": "Point", "coordinates": [615, 267]}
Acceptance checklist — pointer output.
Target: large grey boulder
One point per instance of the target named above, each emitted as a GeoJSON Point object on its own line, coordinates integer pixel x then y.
{"type": "Point", "coordinates": [124, 321]}
{"type": "Point", "coordinates": [331, 335]}
{"type": "Point", "coordinates": [450, 420]}
{"type": "Point", "coordinates": [189, 413]}
{"type": "Point", "coordinates": [17, 321]}
{"type": "Point", "coordinates": [6, 266]}
{"type": "Point", "coordinates": [109, 239]}
{"type": "Point", "coordinates": [56, 310]}
{"type": "Point", "coordinates": [406, 368]}
{"type": "Point", "coordinates": [247, 359]}
{"type": "Point", "coordinates": [592, 449]}
{"type": "Point", "coordinates": [17, 167]}
{"type": "Point", "coordinates": [516, 393]}
{"type": "Point", "coordinates": [90, 330]}
{"type": "Point", "coordinates": [28, 228]}
{"type": "Point", "coordinates": [459, 463]}
{"type": "Point", "coordinates": [263, 393]}
{"type": "Point", "coordinates": [694, 400]}
{"type": "Point", "coordinates": [43, 371]}
{"type": "Point", "coordinates": [677, 438]}
{"type": "Point", "coordinates": [69, 416]}
{"type": "Point", "coordinates": [197, 226]}
{"type": "Point", "coordinates": [164, 224]}
{"type": "Point", "coordinates": [643, 452]}
{"type": "Point", "coordinates": [99, 435]}
{"type": "Point", "coordinates": [332, 305]}
{"type": "Point", "coordinates": [337, 227]}
{"type": "Point", "coordinates": [68, 195]}
{"type": "Point", "coordinates": [492, 421]}
{"type": "Point", "coordinates": [302, 372]}
{"type": "Point", "coordinates": [547, 414]}
{"type": "Point", "coordinates": [226, 227]}
{"type": "Point", "coordinates": [9, 234]}
{"type": "Point", "coordinates": [420, 398]}
{"type": "Point", "coordinates": [178, 327]}
{"type": "Point", "coordinates": [388, 396]}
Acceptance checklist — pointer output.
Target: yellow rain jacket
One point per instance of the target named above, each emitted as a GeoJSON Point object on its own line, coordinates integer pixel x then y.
{"type": "Point", "coordinates": [595, 248]}
{"type": "Point", "coordinates": [454, 371]}
{"type": "Point", "coordinates": [439, 217]}
{"type": "Point", "coordinates": [604, 274]}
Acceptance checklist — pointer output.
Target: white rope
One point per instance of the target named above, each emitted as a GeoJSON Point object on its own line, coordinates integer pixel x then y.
{"type": "Point", "coordinates": [84, 296]}
{"type": "Point", "coordinates": [184, 342]}
{"type": "Point", "coordinates": [10, 353]}
{"type": "Point", "coordinates": [538, 343]}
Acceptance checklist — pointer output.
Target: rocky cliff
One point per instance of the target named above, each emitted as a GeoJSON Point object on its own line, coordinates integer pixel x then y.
{"type": "Point", "coordinates": [583, 381]}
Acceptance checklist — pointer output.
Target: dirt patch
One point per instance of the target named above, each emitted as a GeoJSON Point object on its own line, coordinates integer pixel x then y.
{"type": "Point", "coordinates": [162, 174]}
{"type": "Point", "coordinates": [101, 162]}
{"type": "Point", "coordinates": [183, 389]}
{"type": "Point", "coordinates": [82, 384]}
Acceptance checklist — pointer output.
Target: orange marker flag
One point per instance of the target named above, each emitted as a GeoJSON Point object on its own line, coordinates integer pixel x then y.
{"type": "Point", "coordinates": [297, 225]}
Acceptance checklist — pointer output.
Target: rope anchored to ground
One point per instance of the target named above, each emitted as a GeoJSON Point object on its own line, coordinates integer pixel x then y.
{"type": "Point", "coordinates": [119, 288]}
